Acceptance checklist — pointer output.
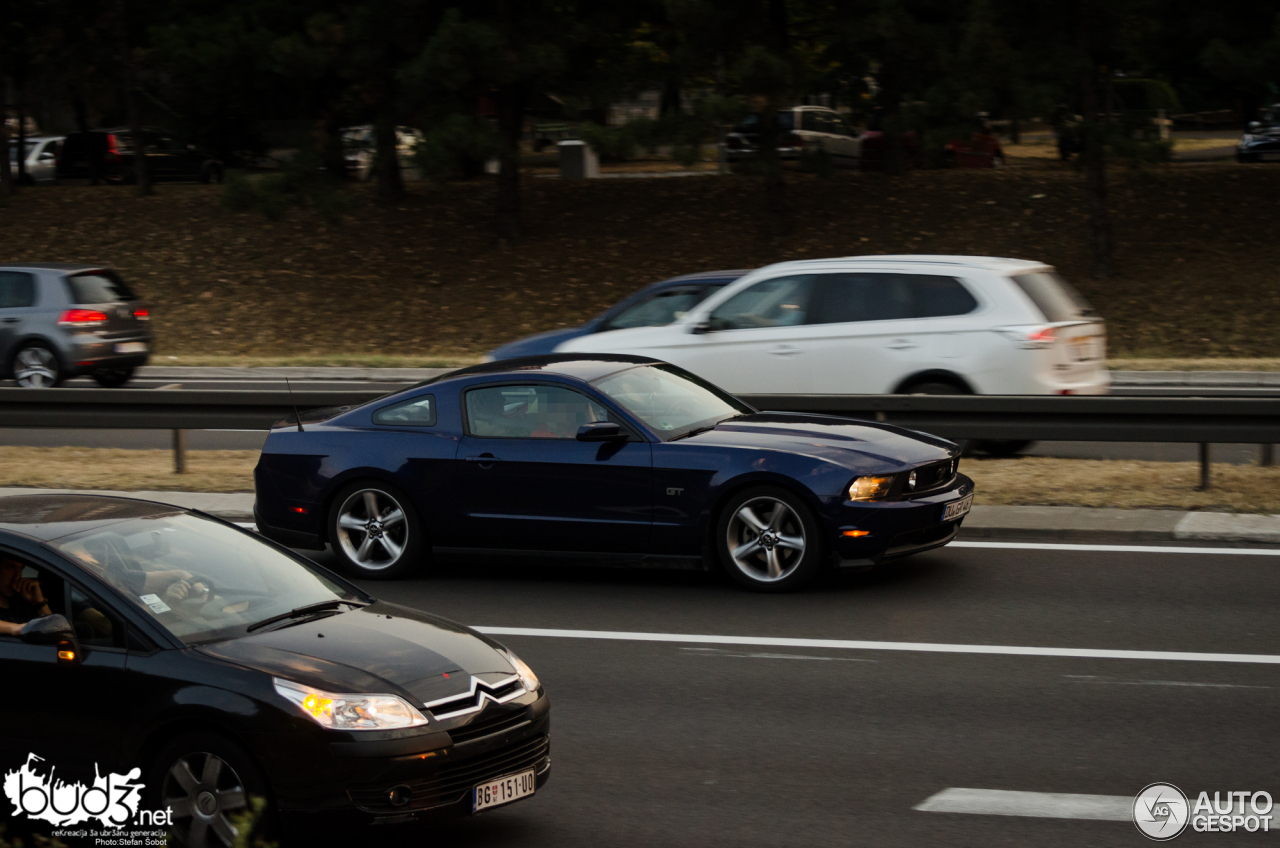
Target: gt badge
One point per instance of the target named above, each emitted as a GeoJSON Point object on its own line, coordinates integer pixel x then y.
{"type": "Point", "coordinates": [672, 490]}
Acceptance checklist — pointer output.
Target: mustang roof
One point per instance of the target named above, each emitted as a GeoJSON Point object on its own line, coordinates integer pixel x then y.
{"type": "Point", "coordinates": [581, 366]}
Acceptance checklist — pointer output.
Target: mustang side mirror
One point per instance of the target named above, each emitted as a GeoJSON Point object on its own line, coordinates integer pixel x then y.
{"type": "Point", "coordinates": [54, 630]}
{"type": "Point", "coordinates": [600, 431]}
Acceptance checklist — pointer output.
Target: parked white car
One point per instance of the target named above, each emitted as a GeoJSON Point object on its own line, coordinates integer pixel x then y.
{"type": "Point", "coordinates": [884, 324]}
{"type": "Point", "coordinates": [42, 159]}
{"type": "Point", "coordinates": [804, 129]}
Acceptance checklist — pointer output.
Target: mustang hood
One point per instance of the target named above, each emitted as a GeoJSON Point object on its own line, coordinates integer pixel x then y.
{"type": "Point", "coordinates": [842, 440]}
{"type": "Point", "coordinates": [363, 650]}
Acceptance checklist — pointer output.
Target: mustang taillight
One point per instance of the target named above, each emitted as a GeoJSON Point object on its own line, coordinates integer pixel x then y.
{"type": "Point", "coordinates": [82, 318]}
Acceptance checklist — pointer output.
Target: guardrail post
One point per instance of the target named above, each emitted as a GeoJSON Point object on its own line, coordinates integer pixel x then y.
{"type": "Point", "coordinates": [1204, 467]}
{"type": "Point", "coordinates": [1267, 457]}
{"type": "Point", "coordinates": [179, 451]}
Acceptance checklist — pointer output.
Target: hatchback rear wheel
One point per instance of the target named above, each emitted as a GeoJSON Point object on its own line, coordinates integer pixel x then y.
{"type": "Point", "coordinates": [35, 366]}
{"type": "Point", "coordinates": [374, 531]}
{"type": "Point", "coordinates": [769, 540]}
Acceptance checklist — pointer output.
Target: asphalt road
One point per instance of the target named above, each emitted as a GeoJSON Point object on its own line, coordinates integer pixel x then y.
{"type": "Point", "coordinates": [680, 743]}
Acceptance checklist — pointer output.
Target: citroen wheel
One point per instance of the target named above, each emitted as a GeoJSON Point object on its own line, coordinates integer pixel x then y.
{"type": "Point", "coordinates": [374, 531]}
{"type": "Point", "coordinates": [768, 540]}
{"type": "Point", "coordinates": [35, 366]}
{"type": "Point", "coordinates": [209, 784]}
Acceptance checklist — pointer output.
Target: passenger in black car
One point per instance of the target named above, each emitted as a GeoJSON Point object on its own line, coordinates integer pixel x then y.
{"type": "Point", "coordinates": [21, 599]}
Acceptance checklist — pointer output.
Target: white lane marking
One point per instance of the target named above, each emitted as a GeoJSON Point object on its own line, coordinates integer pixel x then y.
{"type": "Point", "coordinates": [864, 645]}
{"type": "Point", "coordinates": [1093, 678]}
{"type": "Point", "coordinates": [1045, 805]}
{"type": "Point", "coordinates": [248, 525]}
{"type": "Point", "coordinates": [716, 652]}
{"type": "Point", "coordinates": [170, 386]}
{"type": "Point", "coordinates": [1127, 549]}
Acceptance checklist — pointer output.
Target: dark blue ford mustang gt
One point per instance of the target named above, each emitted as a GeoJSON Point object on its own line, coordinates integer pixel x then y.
{"type": "Point", "coordinates": [605, 458]}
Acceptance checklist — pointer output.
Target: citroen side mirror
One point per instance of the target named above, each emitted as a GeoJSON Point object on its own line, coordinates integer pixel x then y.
{"type": "Point", "coordinates": [57, 631]}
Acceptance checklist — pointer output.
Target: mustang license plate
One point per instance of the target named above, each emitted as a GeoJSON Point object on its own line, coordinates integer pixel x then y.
{"type": "Point", "coordinates": [957, 509]}
{"type": "Point", "coordinates": [504, 790]}
{"type": "Point", "coordinates": [132, 347]}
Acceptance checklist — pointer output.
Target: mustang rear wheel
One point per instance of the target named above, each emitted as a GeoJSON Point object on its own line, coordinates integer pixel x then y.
{"type": "Point", "coordinates": [769, 540]}
{"type": "Point", "coordinates": [374, 531]}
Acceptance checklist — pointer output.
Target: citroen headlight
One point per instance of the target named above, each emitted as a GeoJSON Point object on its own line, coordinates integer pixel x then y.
{"type": "Point", "coordinates": [351, 712]}
{"type": "Point", "coordinates": [870, 488]}
{"type": "Point", "coordinates": [528, 679]}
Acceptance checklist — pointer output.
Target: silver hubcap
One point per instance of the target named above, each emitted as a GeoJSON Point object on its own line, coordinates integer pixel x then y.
{"type": "Point", "coordinates": [202, 789]}
{"type": "Point", "coordinates": [766, 539]}
{"type": "Point", "coordinates": [35, 368]}
{"type": "Point", "coordinates": [372, 530]}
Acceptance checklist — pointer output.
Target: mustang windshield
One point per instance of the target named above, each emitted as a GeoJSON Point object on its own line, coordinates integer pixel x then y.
{"type": "Point", "coordinates": [671, 401]}
{"type": "Point", "coordinates": [201, 580]}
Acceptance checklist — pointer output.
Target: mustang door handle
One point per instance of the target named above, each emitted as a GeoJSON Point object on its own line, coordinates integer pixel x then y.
{"type": "Point", "coordinates": [485, 459]}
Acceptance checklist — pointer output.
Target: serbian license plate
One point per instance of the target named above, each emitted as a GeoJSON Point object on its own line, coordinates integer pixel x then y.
{"type": "Point", "coordinates": [957, 509]}
{"type": "Point", "coordinates": [131, 347]}
{"type": "Point", "coordinates": [504, 790]}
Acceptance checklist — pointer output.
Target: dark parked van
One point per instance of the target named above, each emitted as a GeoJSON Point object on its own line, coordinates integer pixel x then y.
{"type": "Point", "coordinates": [109, 152]}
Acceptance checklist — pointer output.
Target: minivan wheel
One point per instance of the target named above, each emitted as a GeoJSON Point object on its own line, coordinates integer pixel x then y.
{"type": "Point", "coordinates": [208, 782]}
{"type": "Point", "coordinates": [769, 540]}
{"type": "Point", "coordinates": [35, 366]}
{"type": "Point", "coordinates": [113, 378]}
{"type": "Point", "coordinates": [374, 531]}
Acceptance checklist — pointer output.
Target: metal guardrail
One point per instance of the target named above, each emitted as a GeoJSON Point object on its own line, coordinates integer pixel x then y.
{"type": "Point", "coordinates": [1101, 419]}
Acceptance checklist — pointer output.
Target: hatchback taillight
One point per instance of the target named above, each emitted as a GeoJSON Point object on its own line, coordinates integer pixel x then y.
{"type": "Point", "coordinates": [142, 315]}
{"type": "Point", "coordinates": [81, 318]}
{"type": "Point", "coordinates": [113, 150]}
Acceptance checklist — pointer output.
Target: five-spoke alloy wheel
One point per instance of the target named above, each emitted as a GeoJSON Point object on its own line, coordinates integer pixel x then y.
{"type": "Point", "coordinates": [209, 784]}
{"type": "Point", "coordinates": [373, 531]}
{"type": "Point", "coordinates": [36, 367]}
{"type": "Point", "coordinates": [769, 540]}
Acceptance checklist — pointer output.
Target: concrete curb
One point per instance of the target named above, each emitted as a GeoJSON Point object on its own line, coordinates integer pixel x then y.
{"type": "Point", "coordinates": [1011, 523]}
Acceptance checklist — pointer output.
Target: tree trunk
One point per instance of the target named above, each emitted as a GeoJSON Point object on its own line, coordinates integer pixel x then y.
{"type": "Point", "coordinates": [891, 101]}
{"type": "Point", "coordinates": [21, 178]}
{"type": "Point", "coordinates": [670, 103]}
{"type": "Point", "coordinates": [141, 173]}
{"type": "Point", "coordinates": [6, 175]}
{"type": "Point", "coordinates": [1015, 130]}
{"type": "Point", "coordinates": [1094, 152]}
{"type": "Point", "coordinates": [328, 136]}
{"type": "Point", "coordinates": [386, 158]}
{"type": "Point", "coordinates": [776, 214]}
{"type": "Point", "coordinates": [510, 105]}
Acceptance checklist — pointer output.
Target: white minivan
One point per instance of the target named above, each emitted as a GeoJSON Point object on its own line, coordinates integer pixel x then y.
{"type": "Point", "coordinates": [884, 325]}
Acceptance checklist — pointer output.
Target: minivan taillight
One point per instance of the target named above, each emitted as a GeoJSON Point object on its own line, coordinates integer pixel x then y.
{"type": "Point", "coordinates": [82, 318]}
{"type": "Point", "coordinates": [113, 150]}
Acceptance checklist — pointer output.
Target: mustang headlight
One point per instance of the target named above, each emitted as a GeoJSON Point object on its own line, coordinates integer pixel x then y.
{"type": "Point", "coordinates": [351, 712]}
{"type": "Point", "coordinates": [870, 488]}
{"type": "Point", "coordinates": [528, 679]}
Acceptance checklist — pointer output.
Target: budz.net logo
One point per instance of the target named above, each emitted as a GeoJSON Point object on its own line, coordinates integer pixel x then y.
{"type": "Point", "coordinates": [112, 800]}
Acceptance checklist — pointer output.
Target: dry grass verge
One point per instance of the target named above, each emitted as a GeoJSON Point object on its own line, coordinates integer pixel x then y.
{"type": "Point", "coordinates": [349, 360]}
{"type": "Point", "coordinates": [1045, 481]}
{"type": "Point", "coordinates": [127, 470]}
{"type": "Point", "coordinates": [1030, 480]}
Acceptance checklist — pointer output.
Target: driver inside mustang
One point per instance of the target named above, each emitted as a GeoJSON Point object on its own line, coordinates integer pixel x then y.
{"type": "Point", "coordinates": [21, 599]}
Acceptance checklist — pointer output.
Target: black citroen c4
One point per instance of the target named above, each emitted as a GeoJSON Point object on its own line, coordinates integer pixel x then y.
{"type": "Point", "coordinates": [225, 667]}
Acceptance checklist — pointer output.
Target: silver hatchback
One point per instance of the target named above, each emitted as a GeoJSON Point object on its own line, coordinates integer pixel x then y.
{"type": "Point", "coordinates": [59, 321]}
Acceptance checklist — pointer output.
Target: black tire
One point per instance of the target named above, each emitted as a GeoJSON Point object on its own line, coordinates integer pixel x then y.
{"type": "Point", "coordinates": [211, 175]}
{"type": "Point", "coordinates": [934, 388]}
{"type": "Point", "coordinates": [405, 535]}
{"type": "Point", "coordinates": [113, 378]}
{"type": "Point", "coordinates": [202, 809]}
{"type": "Point", "coordinates": [752, 570]}
{"type": "Point", "coordinates": [35, 365]}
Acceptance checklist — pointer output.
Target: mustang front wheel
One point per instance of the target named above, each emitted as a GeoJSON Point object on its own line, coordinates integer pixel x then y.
{"type": "Point", "coordinates": [769, 540]}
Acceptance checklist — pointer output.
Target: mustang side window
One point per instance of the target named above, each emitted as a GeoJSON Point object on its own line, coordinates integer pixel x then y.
{"type": "Point", "coordinates": [780, 302]}
{"type": "Point", "coordinates": [530, 412]}
{"type": "Point", "coordinates": [418, 412]}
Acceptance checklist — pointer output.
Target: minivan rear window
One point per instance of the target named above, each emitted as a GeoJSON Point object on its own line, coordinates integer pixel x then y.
{"type": "Point", "coordinates": [1054, 296]}
{"type": "Point", "coordinates": [98, 287]}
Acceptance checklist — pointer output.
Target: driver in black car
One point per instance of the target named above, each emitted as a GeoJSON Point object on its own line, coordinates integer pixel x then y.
{"type": "Point", "coordinates": [170, 585]}
{"type": "Point", "coordinates": [21, 599]}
